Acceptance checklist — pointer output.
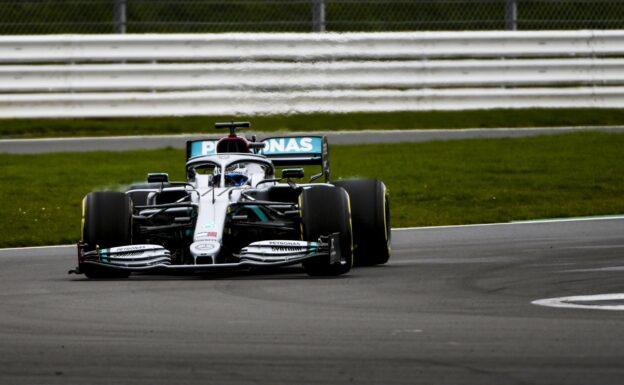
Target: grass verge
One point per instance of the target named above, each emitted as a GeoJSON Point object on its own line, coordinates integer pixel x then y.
{"type": "Point", "coordinates": [435, 183]}
{"type": "Point", "coordinates": [29, 128]}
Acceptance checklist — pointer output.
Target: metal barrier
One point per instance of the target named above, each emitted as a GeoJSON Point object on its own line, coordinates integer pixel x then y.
{"type": "Point", "coordinates": [227, 74]}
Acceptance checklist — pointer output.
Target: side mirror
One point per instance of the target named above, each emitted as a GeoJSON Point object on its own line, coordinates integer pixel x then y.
{"type": "Point", "coordinates": [292, 173]}
{"type": "Point", "coordinates": [160, 177]}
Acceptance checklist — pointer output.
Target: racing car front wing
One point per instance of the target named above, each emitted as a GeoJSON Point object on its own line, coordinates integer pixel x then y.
{"type": "Point", "coordinates": [155, 258]}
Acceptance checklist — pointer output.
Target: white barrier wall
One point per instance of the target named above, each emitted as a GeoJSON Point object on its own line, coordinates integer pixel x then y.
{"type": "Point", "coordinates": [246, 74]}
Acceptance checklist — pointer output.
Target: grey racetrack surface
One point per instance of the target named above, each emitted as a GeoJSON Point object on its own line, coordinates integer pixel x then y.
{"type": "Point", "coordinates": [451, 307]}
{"type": "Point", "coordinates": [125, 143]}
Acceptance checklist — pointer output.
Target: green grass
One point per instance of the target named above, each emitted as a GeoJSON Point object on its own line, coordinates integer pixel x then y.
{"type": "Point", "coordinates": [435, 183]}
{"type": "Point", "coordinates": [21, 128]}
{"type": "Point", "coordinates": [483, 181]}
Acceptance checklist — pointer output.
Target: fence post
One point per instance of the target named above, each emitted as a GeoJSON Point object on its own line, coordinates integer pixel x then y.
{"type": "Point", "coordinates": [511, 15]}
{"type": "Point", "coordinates": [318, 15]}
{"type": "Point", "coordinates": [119, 16]}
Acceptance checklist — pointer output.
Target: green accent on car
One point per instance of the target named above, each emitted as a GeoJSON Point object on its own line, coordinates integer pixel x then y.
{"type": "Point", "coordinates": [256, 210]}
{"type": "Point", "coordinates": [261, 215]}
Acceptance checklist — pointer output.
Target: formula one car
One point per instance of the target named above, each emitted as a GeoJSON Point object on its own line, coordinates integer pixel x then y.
{"type": "Point", "coordinates": [234, 213]}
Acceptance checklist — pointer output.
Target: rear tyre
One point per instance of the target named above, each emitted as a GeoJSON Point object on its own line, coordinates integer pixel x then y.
{"type": "Point", "coordinates": [370, 213]}
{"type": "Point", "coordinates": [106, 222]}
{"type": "Point", "coordinates": [324, 211]}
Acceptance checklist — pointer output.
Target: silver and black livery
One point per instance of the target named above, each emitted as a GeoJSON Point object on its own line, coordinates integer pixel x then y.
{"type": "Point", "coordinates": [234, 212]}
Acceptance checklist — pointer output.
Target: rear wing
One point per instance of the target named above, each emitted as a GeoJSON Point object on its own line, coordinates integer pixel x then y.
{"type": "Point", "coordinates": [298, 151]}
{"type": "Point", "coordinates": [281, 150]}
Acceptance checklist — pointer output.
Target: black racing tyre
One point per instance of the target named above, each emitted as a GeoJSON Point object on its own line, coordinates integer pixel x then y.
{"type": "Point", "coordinates": [370, 215]}
{"type": "Point", "coordinates": [106, 222]}
{"type": "Point", "coordinates": [325, 210]}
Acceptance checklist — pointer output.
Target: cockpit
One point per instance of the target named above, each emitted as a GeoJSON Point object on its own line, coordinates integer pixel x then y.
{"type": "Point", "coordinates": [236, 173]}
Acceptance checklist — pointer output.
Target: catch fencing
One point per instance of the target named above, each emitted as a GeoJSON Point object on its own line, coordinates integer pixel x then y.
{"type": "Point", "coordinates": [248, 74]}
{"type": "Point", "coordinates": [210, 16]}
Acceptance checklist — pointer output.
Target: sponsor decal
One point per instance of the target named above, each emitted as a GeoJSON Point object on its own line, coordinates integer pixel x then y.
{"type": "Point", "coordinates": [288, 243]}
{"type": "Point", "coordinates": [208, 148]}
{"type": "Point", "coordinates": [208, 234]}
{"type": "Point", "coordinates": [279, 247]}
{"type": "Point", "coordinates": [287, 248]}
{"type": "Point", "coordinates": [204, 147]}
{"type": "Point", "coordinates": [129, 249]}
{"type": "Point", "coordinates": [205, 246]}
{"type": "Point", "coordinates": [125, 255]}
{"type": "Point", "coordinates": [303, 145]}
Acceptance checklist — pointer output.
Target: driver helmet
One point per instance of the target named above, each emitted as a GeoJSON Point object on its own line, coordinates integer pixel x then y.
{"type": "Point", "coordinates": [236, 177]}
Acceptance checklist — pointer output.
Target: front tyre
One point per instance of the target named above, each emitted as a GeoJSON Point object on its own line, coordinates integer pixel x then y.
{"type": "Point", "coordinates": [325, 210]}
{"type": "Point", "coordinates": [370, 212]}
{"type": "Point", "coordinates": [106, 222]}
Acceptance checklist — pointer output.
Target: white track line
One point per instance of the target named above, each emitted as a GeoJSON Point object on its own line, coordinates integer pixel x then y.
{"type": "Point", "coordinates": [536, 221]}
{"type": "Point", "coordinates": [585, 302]}
{"type": "Point", "coordinates": [36, 247]}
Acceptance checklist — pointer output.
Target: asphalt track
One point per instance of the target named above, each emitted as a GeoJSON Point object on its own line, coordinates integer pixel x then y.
{"type": "Point", "coordinates": [125, 143]}
{"type": "Point", "coordinates": [453, 306]}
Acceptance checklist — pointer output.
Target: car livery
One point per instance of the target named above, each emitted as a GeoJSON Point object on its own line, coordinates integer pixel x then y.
{"type": "Point", "coordinates": [234, 212]}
